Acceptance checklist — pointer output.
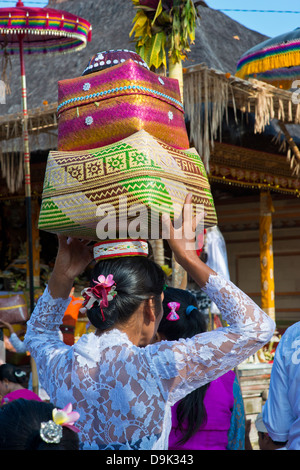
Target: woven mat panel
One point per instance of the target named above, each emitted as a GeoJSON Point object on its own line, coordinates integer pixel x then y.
{"type": "Point", "coordinates": [138, 172]}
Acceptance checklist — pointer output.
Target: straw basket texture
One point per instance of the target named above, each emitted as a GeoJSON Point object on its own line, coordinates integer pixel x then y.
{"type": "Point", "coordinates": [107, 106]}
{"type": "Point", "coordinates": [134, 180]}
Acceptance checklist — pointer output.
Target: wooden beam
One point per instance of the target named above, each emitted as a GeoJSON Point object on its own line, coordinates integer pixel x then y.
{"type": "Point", "coordinates": [39, 120]}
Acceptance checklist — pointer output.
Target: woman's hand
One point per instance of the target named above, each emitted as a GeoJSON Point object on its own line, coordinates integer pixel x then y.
{"type": "Point", "coordinates": [182, 241]}
{"type": "Point", "coordinates": [73, 257]}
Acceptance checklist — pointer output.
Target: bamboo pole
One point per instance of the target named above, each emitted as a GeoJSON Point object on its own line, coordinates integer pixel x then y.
{"type": "Point", "coordinates": [158, 244]}
{"type": "Point", "coordinates": [35, 380]}
{"type": "Point", "coordinates": [36, 243]}
{"type": "Point", "coordinates": [179, 277]}
{"type": "Point", "coordinates": [27, 171]}
{"type": "Point", "coordinates": [28, 197]}
{"type": "Point", "coordinates": [175, 71]}
{"type": "Point", "coordinates": [158, 251]}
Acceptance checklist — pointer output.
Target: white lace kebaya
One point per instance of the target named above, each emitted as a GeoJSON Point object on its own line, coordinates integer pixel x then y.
{"type": "Point", "coordinates": [123, 392]}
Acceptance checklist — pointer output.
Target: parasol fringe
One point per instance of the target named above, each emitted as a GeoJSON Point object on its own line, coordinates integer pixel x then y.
{"type": "Point", "coordinates": [290, 59]}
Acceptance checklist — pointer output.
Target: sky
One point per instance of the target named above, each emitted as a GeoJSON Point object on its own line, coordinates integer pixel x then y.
{"type": "Point", "coordinates": [268, 22]}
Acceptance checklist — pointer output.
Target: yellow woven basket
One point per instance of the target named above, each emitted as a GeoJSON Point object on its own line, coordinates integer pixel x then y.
{"type": "Point", "coordinates": [125, 185]}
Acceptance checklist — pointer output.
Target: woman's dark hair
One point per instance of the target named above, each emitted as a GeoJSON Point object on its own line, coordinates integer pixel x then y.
{"type": "Point", "coordinates": [13, 374]}
{"type": "Point", "coordinates": [188, 325]}
{"type": "Point", "coordinates": [191, 412]}
{"type": "Point", "coordinates": [137, 278]}
{"type": "Point", "coordinates": [20, 423]}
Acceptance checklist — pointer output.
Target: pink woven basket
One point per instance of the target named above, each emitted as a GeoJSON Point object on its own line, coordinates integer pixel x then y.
{"type": "Point", "coordinates": [105, 59]}
{"type": "Point", "coordinates": [107, 106]}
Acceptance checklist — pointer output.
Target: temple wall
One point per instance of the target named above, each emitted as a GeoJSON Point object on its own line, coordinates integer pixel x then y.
{"type": "Point", "coordinates": [239, 224]}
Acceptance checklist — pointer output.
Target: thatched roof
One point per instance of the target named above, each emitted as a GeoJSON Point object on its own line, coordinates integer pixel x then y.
{"type": "Point", "coordinates": [220, 42]}
{"type": "Point", "coordinates": [112, 21]}
{"type": "Point", "coordinates": [209, 94]}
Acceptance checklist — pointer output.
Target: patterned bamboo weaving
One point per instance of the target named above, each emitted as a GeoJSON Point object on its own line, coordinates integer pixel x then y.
{"type": "Point", "coordinates": [139, 170]}
{"type": "Point", "coordinates": [106, 106]}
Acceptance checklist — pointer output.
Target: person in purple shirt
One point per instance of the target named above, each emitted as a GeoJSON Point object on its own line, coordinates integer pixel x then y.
{"type": "Point", "coordinates": [211, 417]}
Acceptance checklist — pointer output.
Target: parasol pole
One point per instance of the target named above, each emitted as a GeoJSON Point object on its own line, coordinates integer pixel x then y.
{"type": "Point", "coordinates": [27, 172]}
{"type": "Point", "coordinates": [53, 31]}
{"type": "Point", "coordinates": [35, 382]}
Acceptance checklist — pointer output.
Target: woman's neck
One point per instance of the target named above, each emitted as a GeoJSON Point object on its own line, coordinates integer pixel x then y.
{"type": "Point", "coordinates": [132, 333]}
{"type": "Point", "coordinates": [133, 328]}
{"type": "Point", "coordinates": [13, 387]}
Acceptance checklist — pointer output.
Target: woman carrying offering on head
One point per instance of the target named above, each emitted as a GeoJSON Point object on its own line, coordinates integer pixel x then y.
{"type": "Point", "coordinates": [122, 386]}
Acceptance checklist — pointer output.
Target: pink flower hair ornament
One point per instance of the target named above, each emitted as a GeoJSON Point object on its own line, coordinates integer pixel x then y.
{"type": "Point", "coordinates": [102, 293]}
{"type": "Point", "coordinates": [51, 431]}
{"type": "Point", "coordinates": [173, 316]}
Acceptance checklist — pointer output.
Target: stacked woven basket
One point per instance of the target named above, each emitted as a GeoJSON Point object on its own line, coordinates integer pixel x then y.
{"type": "Point", "coordinates": [123, 150]}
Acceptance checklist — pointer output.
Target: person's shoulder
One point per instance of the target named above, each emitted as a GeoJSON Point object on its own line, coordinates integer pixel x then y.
{"type": "Point", "coordinates": [289, 346]}
{"type": "Point", "coordinates": [292, 331]}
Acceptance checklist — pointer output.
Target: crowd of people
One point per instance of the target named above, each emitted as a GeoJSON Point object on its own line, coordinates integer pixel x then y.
{"type": "Point", "coordinates": [151, 376]}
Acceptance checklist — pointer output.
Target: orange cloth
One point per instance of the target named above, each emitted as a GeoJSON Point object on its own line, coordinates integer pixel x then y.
{"type": "Point", "coordinates": [70, 319]}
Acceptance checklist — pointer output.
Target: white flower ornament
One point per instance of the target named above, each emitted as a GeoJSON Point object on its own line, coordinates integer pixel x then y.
{"type": "Point", "coordinates": [51, 431]}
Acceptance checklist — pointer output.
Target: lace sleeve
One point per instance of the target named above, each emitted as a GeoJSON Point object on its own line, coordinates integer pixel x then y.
{"type": "Point", "coordinates": [207, 356]}
{"type": "Point", "coordinates": [43, 338]}
{"type": "Point", "coordinates": [17, 343]}
{"type": "Point", "coordinates": [47, 314]}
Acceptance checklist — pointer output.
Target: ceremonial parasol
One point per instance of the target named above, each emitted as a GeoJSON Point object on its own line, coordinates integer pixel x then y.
{"type": "Point", "coordinates": [25, 30]}
{"type": "Point", "coordinates": [275, 61]}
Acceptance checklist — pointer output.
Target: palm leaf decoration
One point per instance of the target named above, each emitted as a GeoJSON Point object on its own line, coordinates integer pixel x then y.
{"type": "Point", "coordinates": [164, 25]}
{"type": "Point", "coordinates": [163, 31]}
